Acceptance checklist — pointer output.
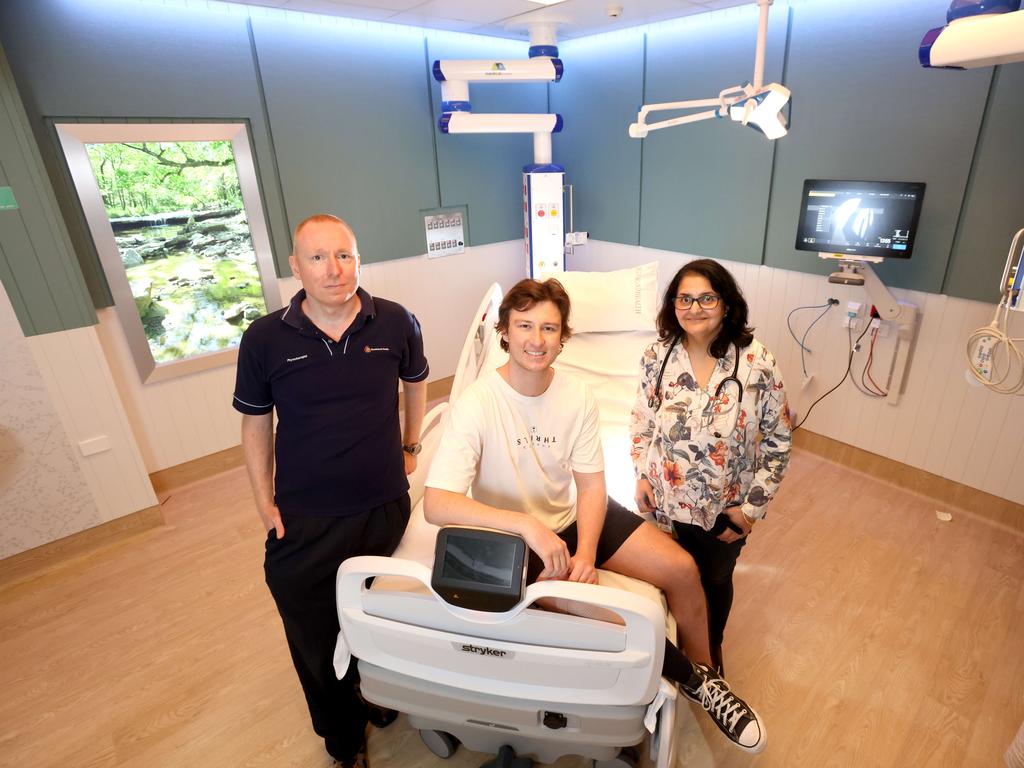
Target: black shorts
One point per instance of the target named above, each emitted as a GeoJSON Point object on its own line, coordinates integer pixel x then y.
{"type": "Point", "coordinates": [619, 524]}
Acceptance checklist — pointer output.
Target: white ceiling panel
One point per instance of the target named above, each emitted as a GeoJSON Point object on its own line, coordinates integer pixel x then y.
{"type": "Point", "coordinates": [507, 18]}
{"type": "Point", "coordinates": [416, 19]}
{"type": "Point", "coordinates": [329, 8]}
{"type": "Point", "coordinates": [487, 12]}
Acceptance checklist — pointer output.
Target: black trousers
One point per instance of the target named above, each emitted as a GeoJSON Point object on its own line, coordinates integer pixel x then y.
{"type": "Point", "coordinates": [300, 571]}
{"type": "Point", "coordinates": [716, 561]}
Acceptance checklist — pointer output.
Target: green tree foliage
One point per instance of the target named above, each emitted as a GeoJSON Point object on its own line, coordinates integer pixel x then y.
{"type": "Point", "coordinates": [145, 178]}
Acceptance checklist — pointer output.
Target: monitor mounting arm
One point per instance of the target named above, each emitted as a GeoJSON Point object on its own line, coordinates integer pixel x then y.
{"type": "Point", "coordinates": [858, 271]}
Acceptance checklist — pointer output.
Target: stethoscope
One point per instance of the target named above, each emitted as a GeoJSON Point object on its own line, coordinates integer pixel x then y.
{"type": "Point", "coordinates": [654, 401]}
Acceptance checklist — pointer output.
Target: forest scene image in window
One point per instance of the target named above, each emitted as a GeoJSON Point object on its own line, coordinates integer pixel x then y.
{"type": "Point", "coordinates": [181, 230]}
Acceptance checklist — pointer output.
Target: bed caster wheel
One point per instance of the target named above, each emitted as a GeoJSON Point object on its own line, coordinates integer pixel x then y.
{"type": "Point", "coordinates": [628, 757]}
{"type": "Point", "coordinates": [440, 743]}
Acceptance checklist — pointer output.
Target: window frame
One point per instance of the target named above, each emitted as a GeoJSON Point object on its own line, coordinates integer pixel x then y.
{"type": "Point", "coordinates": [73, 137]}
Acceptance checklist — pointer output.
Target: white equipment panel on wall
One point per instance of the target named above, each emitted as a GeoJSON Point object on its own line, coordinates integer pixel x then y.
{"type": "Point", "coordinates": [445, 234]}
{"type": "Point", "coordinates": [544, 220]}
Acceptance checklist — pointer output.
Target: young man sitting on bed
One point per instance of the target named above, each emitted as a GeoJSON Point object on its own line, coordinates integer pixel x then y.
{"type": "Point", "coordinates": [526, 439]}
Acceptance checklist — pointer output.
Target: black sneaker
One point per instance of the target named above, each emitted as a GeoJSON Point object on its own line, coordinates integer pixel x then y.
{"type": "Point", "coordinates": [359, 760]}
{"type": "Point", "coordinates": [733, 716]}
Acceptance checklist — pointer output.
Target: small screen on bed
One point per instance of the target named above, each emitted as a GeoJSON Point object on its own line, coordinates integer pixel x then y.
{"type": "Point", "coordinates": [477, 560]}
{"type": "Point", "coordinates": [478, 568]}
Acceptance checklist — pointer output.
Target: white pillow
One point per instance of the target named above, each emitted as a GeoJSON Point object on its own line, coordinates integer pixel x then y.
{"type": "Point", "coordinates": [623, 300]}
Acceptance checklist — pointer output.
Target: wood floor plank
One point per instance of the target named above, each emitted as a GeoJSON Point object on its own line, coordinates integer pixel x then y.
{"type": "Point", "coordinates": [865, 631]}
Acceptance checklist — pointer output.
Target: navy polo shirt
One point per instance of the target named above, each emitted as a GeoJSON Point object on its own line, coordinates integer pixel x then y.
{"type": "Point", "coordinates": [338, 449]}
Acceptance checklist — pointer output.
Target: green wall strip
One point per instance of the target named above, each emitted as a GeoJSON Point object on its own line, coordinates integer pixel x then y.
{"type": "Point", "coordinates": [7, 201]}
{"type": "Point", "coordinates": [37, 265]}
{"type": "Point", "coordinates": [598, 96]}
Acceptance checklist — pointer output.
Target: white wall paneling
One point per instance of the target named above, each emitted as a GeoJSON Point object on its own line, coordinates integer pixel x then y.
{"type": "Point", "coordinates": [82, 391]}
{"type": "Point", "coordinates": [941, 425]}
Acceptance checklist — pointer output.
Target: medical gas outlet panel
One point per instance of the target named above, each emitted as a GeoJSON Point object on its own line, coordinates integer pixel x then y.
{"type": "Point", "coordinates": [544, 219]}
{"type": "Point", "coordinates": [445, 234]}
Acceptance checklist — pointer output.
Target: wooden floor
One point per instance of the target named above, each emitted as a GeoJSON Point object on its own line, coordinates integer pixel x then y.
{"type": "Point", "coordinates": [865, 631]}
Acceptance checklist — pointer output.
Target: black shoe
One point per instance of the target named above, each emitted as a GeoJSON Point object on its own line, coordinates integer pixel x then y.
{"type": "Point", "coordinates": [359, 760]}
{"type": "Point", "coordinates": [733, 716]}
{"type": "Point", "coordinates": [380, 717]}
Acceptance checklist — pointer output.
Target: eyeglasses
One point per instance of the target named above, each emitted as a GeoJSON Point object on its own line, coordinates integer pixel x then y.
{"type": "Point", "coordinates": [705, 300]}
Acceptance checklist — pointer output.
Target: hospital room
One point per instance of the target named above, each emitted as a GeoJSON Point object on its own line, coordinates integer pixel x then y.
{"type": "Point", "coordinates": [660, 370]}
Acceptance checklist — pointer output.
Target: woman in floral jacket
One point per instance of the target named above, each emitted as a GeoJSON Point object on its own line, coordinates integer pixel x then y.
{"type": "Point", "coordinates": [711, 428]}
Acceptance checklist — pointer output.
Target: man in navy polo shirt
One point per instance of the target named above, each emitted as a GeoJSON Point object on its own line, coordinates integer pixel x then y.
{"type": "Point", "coordinates": [330, 364]}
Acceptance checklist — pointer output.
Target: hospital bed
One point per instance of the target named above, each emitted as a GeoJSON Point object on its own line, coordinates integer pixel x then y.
{"type": "Point", "coordinates": [529, 681]}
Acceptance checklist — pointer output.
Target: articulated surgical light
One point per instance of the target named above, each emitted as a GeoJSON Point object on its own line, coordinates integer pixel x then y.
{"type": "Point", "coordinates": [755, 104]}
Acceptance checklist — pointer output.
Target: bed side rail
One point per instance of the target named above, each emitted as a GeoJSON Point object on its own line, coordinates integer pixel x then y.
{"type": "Point", "coordinates": [541, 669]}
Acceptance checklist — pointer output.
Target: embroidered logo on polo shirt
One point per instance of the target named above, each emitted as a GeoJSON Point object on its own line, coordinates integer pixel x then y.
{"type": "Point", "coordinates": [293, 359]}
{"type": "Point", "coordinates": [368, 349]}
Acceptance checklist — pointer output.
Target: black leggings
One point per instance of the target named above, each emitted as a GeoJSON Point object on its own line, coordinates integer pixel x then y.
{"type": "Point", "coordinates": [716, 561]}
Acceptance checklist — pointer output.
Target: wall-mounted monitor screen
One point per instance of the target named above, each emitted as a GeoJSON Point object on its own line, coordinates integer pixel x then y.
{"type": "Point", "coordinates": [859, 218]}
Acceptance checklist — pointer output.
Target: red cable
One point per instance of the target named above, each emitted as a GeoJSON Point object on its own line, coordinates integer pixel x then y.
{"type": "Point", "coordinates": [871, 357]}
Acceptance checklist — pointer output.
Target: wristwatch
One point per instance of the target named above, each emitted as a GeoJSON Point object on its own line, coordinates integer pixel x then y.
{"type": "Point", "coordinates": [413, 449]}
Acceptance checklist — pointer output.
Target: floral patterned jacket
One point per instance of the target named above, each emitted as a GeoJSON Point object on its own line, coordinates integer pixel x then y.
{"type": "Point", "coordinates": [703, 453]}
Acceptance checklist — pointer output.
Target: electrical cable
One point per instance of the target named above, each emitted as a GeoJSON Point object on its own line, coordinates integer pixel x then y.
{"type": "Point", "coordinates": [999, 332]}
{"type": "Point", "coordinates": [849, 365]}
{"type": "Point", "coordinates": [866, 389]}
{"type": "Point", "coordinates": [803, 362]}
{"type": "Point", "coordinates": [803, 348]}
{"type": "Point", "coordinates": [871, 360]}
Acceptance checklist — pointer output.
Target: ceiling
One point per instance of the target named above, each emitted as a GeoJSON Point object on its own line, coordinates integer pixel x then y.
{"type": "Point", "coordinates": [506, 18]}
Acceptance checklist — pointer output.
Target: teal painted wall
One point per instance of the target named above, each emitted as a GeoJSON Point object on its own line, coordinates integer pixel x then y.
{"type": "Point", "coordinates": [706, 185]}
{"type": "Point", "coordinates": [862, 108]}
{"type": "Point", "coordinates": [344, 119]}
{"type": "Point", "coordinates": [352, 132]}
{"type": "Point", "coordinates": [598, 98]}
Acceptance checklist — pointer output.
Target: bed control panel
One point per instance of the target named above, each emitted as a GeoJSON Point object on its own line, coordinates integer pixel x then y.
{"type": "Point", "coordinates": [479, 568]}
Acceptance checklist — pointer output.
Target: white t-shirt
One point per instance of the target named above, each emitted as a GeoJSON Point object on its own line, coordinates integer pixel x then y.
{"type": "Point", "coordinates": [518, 452]}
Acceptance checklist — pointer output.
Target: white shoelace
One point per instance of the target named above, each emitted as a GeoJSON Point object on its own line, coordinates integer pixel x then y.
{"type": "Point", "coordinates": [721, 703]}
